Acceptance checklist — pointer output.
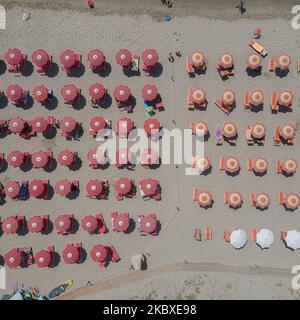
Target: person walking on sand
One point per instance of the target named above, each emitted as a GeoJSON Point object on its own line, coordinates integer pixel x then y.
{"type": "Point", "coordinates": [241, 7]}
{"type": "Point", "coordinates": [171, 58]}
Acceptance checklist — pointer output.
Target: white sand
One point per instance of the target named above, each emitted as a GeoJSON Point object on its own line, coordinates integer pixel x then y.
{"type": "Point", "coordinates": [82, 32]}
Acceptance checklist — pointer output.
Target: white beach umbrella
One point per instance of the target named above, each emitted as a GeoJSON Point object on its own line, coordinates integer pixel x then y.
{"type": "Point", "coordinates": [292, 239]}
{"type": "Point", "coordinates": [238, 238]}
{"type": "Point", "coordinates": [265, 238]}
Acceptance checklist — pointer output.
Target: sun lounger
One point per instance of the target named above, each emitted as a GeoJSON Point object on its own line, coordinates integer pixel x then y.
{"type": "Point", "coordinates": [298, 65]}
{"type": "Point", "coordinates": [222, 163]}
{"type": "Point", "coordinates": [258, 48]}
{"type": "Point", "coordinates": [226, 197]}
{"type": "Point", "coordinates": [218, 134]}
{"type": "Point", "coordinates": [189, 68]}
{"type": "Point", "coordinates": [247, 100]}
{"type": "Point", "coordinates": [280, 198]}
{"type": "Point", "coordinates": [278, 167]}
{"type": "Point", "coordinates": [274, 102]}
{"type": "Point", "coordinates": [196, 193]}
{"type": "Point", "coordinates": [114, 255]}
{"type": "Point", "coordinates": [252, 199]}
{"type": "Point", "coordinates": [197, 235]}
{"type": "Point", "coordinates": [283, 235]}
{"type": "Point", "coordinates": [189, 102]}
{"type": "Point", "coordinates": [249, 164]}
{"type": "Point", "coordinates": [272, 64]}
{"type": "Point", "coordinates": [253, 234]}
{"type": "Point", "coordinates": [219, 104]}
{"type": "Point", "coordinates": [208, 233]}
{"type": "Point", "coordinates": [227, 236]}
{"type": "Point", "coordinates": [103, 228]}
{"type": "Point", "coordinates": [276, 136]}
{"type": "Point", "coordinates": [249, 134]}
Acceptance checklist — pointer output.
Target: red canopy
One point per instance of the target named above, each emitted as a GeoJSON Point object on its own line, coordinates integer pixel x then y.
{"type": "Point", "coordinates": [71, 254]}
{"type": "Point", "coordinates": [43, 258]}
{"type": "Point", "coordinates": [39, 125]}
{"type": "Point", "coordinates": [13, 258]}
{"type": "Point", "coordinates": [89, 223]}
{"type": "Point", "coordinates": [14, 92]}
{"type": "Point", "coordinates": [40, 58]}
{"type": "Point", "coordinates": [99, 253]}
{"type": "Point", "coordinates": [68, 58]}
{"type": "Point", "coordinates": [121, 223]}
{"type": "Point", "coordinates": [13, 56]}
{"type": "Point", "coordinates": [94, 188]}
{"type": "Point", "coordinates": [39, 159]}
{"type": "Point", "coordinates": [97, 124]}
{"type": "Point", "coordinates": [63, 223]}
{"type": "Point", "coordinates": [40, 93]}
{"type": "Point", "coordinates": [148, 224]}
{"type": "Point", "coordinates": [68, 124]}
{"type": "Point", "coordinates": [69, 92]}
{"type": "Point", "coordinates": [63, 187]}
{"type": "Point", "coordinates": [149, 186]}
{"type": "Point", "coordinates": [96, 58]}
{"type": "Point", "coordinates": [97, 91]}
{"type": "Point", "coordinates": [123, 186]}
{"type": "Point", "coordinates": [124, 126]}
{"type": "Point", "coordinates": [122, 93]}
{"type": "Point", "coordinates": [10, 225]}
{"type": "Point", "coordinates": [35, 224]}
{"type": "Point", "coordinates": [15, 158]}
{"type": "Point", "coordinates": [95, 156]}
{"type": "Point", "coordinates": [151, 127]}
{"type": "Point", "coordinates": [149, 92]}
{"type": "Point", "coordinates": [65, 157]}
{"type": "Point", "coordinates": [149, 157]}
{"type": "Point", "coordinates": [12, 189]}
{"type": "Point", "coordinates": [36, 188]}
{"type": "Point", "coordinates": [123, 57]}
{"type": "Point", "coordinates": [124, 156]}
{"type": "Point", "coordinates": [16, 125]}
{"type": "Point", "coordinates": [150, 57]}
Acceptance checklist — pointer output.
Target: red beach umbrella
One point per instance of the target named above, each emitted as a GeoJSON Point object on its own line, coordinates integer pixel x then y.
{"type": "Point", "coordinates": [13, 56]}
{"type": "Point", "coordinates": [253, 61]}
{"type": "Point", "coordinates": [89, 223]}
{"type": "Point", "coordinates": [96, 156]}
{"type": "Point", "coordinates": [287, 131]}
{"type": "Point", "coordinates": [123, 57]}
{"type": "Point", "coordinates": [150, 57]}
{"type": "Point", "coordinates": [96, 58]}
{"type": "Point", "coordinates": [39, 125]}
{"type": "Point", "coordinates": [149, 92]}
{"type": "Point", "coordinates": [151, 127]}
{"type": "Point", "coordinates": [199, 96]}
{"type": "Point", "coordinates": [292, 201]}
{"type": "Point", "coordinates": [124, 156]}
{"type": "Point", "coordinates": [205, 199]}
{"type": "Point", "coordinates": [71, 254]}
{"type": "Point", "coordinates": [226, 60]}
{"type": "Point", "coordinates": [149, 186]}
{"type": "Point", "coordinates": [197, 59]}
{"type": "Point", "coordinates": [62, 223]}
{"type": "Point", "coordinates": [36, 188]}
{"type": "Point", "coordinates": [39, 159]}
{"type": "Point", "coordinates": [97, 124]}
{"type": "Point", "coordinates": [63, 187]}
{"type": "Point", "coordinates": [97, 91]}
{"type": "Point", "coordinates": [69, 92]}
{"type": "Point", "coordinates": [16, 125]}
{"type": "Point", "coordinates": [68, 124]}
{"type": "Point", "coordinates": [12, 189]}
{"type": "Point", "coordinates": [289, 165]}
{"type": "Point", "coordinates": [13, 258]}
{"type": "Point", "coordinates": [35, 224]}
{"type": "Point", "coordinates": [284, 61]}
{"type": "Point", "coordinates": [10, 225]}
{"type": "Point", "coordinates": [121, 223]}
{"type": "Point", "coordinates": [260, 165]}
{"type": "Point", "coordinates": [15, 159]}
{"type": "Point", "coordinates": [94, 188]}
{"type": "Point", "coordinates": [40, 58]}
{"type": "Point", "coordinates": [14, 92]}
{"type": "Point", "coordinates": [98, 253]}
{"type": "Point", "coordinates": [40, 94]}
{"type": "Point", "coordinates": [258, 131]}
{"type": "Point", "coordinates": [148, 224]}
{"type": "Point", "coordinates": [124, 126]}
{"type": "Point", "coordinates": [68, 58]}
{"type": "Point", "coordinates": [235, 199]}
{"type": "Point", "coordinates": [65, 157]}
{"type": "Point", "coordinates": [123, 186]}
{"type": "Point", "coordinates": [149, 157]}
{"type": "Point", "coordinates": [262, 200]}
{"type": "Point", "coordinates": [122, 93]}
{"type": "Point", "coordinates": [43, 258]}
{"type": "Point", "coordinates": [232, 164]}
{"type": "Point", "coordinates": [229, 129]}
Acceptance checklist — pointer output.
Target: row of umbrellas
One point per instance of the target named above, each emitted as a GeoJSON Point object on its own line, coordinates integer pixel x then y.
{"type": "Point", "coordinates": [70, 59]}
{"type": "Point", "coordinates": [264, 238]}
{"type": "Point", "coordinates": [94, 188]}
{"type": "Point", "coordinates": [234, 199]}
{"type": "Point", "coordinates": [70, 92]}
{"type": "Point", "coordinates": [256, 97]}
{"type": "Point", "coordinates": [226, 60]}
{"type": "Point", "coordinates": [63, 223]}
{"type": "Point", "coordinates": [232, 164]}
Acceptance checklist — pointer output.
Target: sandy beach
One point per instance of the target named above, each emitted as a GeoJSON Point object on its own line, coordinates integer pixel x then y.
{"type": "Point", "coordinates": [58, 26]}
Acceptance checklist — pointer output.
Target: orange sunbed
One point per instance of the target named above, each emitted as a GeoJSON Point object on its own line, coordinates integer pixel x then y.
{"type": "Point", "coordinates": [274, 102]}
{"type": "Point", "coordinates": [258, 48]}
{"type": "Point", "coordinates": [276, 136]}
{"type": "Point", "coordinates": [222, 163]}
{"type": "Point", "coordinates": [283, 235]}
{"type": "Point", "coordinates": [227, 236]}
{"type": "Point", "coordinates": [280, 198]}
{"type": "Point", "coordinates": [219, 104]}
{"type": "Point", "coordinates": [189, 102]}
{"type": "Point", "coordinates": [189, 67]}
{"type": "Point", "coordinates": [272, 64]}
{"type": "Point", "coordinates": [197, 235]}
{"type": "Point", "coordinates": [247, 100]}
{"type": "Point", "coordinates": [196, 193]}
{"type": "Point", "coordinates": [252, 199]}
{"type": "Point", "coordinates": [249, 164]}
{"type": "Point", "coordinates": [253, 234]}
{"type": "Point", "coordinates": [226, 197]}
{"type": "Point", "coordinates": [298, 65]}
{"type": "Point", "coordinates": [249, 134]}
{"type": "Point", "coordinates": [208, 233]}
{"type": "Point", "coordinates": [278, 166]}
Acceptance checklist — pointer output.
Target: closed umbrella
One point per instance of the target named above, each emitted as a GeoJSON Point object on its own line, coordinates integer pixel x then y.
{"type": "Point", "coordinates": [265, 238]}
{"type": "Point", "coordinates": [238, 238]}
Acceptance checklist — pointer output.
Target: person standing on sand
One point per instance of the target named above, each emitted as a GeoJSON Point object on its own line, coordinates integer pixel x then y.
{"type": "Point", "coordinates": [241, 6]}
